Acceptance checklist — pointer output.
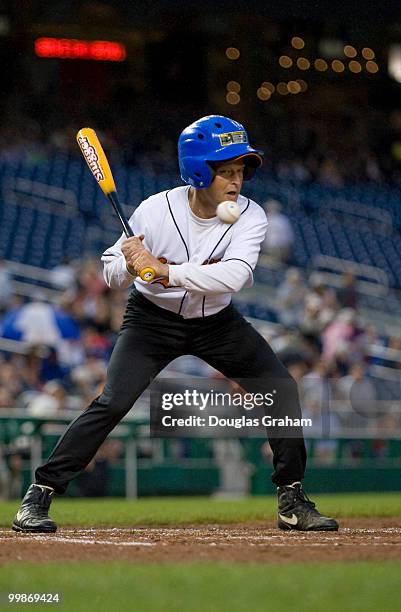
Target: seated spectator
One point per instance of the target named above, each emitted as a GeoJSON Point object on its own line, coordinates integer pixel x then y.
{"type": "Point", "coordinates": [88, 377]}
{"type": "Point", "coordinates": [11, 476]}
{"type": "Point", "coordinates": [320, 308]}
{"type": "Point", "coordinates": [6, 292]}
{"type": "Point", "coordinates": [359, 390]}
{"type": "Point", "coordinates": [297, 367]}
{"type": "Point", "coordinates": [6, 398]}
{"type": "Point", "coordinates": [315, 385]}
{"type": "Point", "coordinates": [64, 275]}
{"type": "Point", "coordinates": [341, 331]}
{"type": "Point", "coordinates": [309, 323]}
{"type": "Point", "coordinates": [279, 236]}
{"type": "Point", "coordinates": [50, 365]}
{"type": "Point", "coordinates": [330, 174]}
{"type": "Point", "coordinates": [347, 295]}
{"type": "Point", "coordinates": [290, 297]}
{"type": "Point", "coordinates": [50, 401]}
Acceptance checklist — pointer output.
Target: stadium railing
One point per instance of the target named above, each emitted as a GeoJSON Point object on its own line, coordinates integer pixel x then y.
{"type": "Point", "coordinates": [350, 457]}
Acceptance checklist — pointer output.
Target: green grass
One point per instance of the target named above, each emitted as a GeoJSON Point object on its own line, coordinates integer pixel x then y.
{"type": "Point", "coordinates": [184, 510]}
{"type": "Point", "coordinates": [195, 587]}
{"type": "Point", "coordinates": [215, 587]}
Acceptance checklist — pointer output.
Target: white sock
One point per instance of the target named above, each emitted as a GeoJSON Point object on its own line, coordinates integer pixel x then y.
{"type": "Point", "coordinates": [297, 482]}
{"type": "Point", "coordinates": [44, 486]}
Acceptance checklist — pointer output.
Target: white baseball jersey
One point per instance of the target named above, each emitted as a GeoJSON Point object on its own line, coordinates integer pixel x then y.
{"type": "Point", "coordinates": [208, 259]}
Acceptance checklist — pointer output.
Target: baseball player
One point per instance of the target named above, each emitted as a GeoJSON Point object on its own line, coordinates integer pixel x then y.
{"type": "Point", "coordinates": [200, 262]}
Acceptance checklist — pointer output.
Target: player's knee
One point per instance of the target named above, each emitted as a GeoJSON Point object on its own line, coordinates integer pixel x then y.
{"type": "Point", "coordinates": [286, 387]}
{"type": "Point", "coordinates": [115, 405]}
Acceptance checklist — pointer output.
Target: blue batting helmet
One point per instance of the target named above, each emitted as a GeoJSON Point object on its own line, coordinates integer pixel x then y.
{"type": "Point", "coordinates": [212, 139]}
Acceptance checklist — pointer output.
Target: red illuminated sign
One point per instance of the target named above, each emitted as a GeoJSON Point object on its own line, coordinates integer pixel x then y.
{"type": "Point", "coordinates": [70, 48]}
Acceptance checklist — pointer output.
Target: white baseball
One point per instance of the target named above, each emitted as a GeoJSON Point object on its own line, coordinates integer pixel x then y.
{"type": "Point", "coordinates": [228, 212]}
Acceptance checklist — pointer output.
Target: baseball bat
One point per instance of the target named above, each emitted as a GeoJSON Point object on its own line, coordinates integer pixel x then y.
{"type": "Point", "coordinates": [98, 164]}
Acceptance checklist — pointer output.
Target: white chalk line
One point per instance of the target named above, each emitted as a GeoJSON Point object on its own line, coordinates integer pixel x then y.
{"type": "Point", "coordinates": [65, 540]}
{"type": "Point", "coordinates": [270, 544]}
{"type": "Point", "coordinates": [85, 541]}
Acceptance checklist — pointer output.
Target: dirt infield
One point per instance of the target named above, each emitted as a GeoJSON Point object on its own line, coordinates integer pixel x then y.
{"type": "Point", "coordinates": [358, 539]}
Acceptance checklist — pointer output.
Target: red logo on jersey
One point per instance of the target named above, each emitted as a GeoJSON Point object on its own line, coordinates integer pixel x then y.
{"type": "Point", "coordinates": [207, 262]}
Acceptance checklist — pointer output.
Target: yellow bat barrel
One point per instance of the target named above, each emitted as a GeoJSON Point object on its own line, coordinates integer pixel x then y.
{"type": "Point", "coordinates": [96, 159]}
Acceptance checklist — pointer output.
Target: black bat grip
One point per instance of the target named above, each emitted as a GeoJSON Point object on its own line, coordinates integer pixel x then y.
{"type": "Point", "coordinates": [113, 197]}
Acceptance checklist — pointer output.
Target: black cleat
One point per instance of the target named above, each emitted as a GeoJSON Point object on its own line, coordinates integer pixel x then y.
{"type": "Point", "coordinates": [33, 514]}
{"type": "Point", "coordinates": [297, 511]}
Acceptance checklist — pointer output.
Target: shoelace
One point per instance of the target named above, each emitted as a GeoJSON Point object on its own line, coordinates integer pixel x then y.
{"type": "Point", "coordinates": [41, 503]}
{"type": "Point", "coordinates": [302, 496]}
{"type": "Point", "coordinates": [41, 512]}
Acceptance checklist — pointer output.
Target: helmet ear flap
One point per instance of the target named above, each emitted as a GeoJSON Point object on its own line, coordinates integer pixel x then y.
{"type": "Point", "coordinates": [196, 172]}
{"type": "Point", "coordinates": [212, 168]}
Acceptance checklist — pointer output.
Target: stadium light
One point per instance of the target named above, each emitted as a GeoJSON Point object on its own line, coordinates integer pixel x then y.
{"type": "Point", "coordinates": [349, 51]}
{"type": "Point", "coordinates": [394, 63]}
{"type": "Point", "coordinates": [233, 86]}
{"type": "Point", "coordinates": [297, 42]}
{"type": "Point", "coordinates": [233, 98]}
{"type": "Point", "coordinates": [285, 61]}
{"type": "Point", "coordinates": [263, 93]}
{"type": "Point", "coordinates": [269, 86]}
{"type": "Point", "coordinates": [233, 53]}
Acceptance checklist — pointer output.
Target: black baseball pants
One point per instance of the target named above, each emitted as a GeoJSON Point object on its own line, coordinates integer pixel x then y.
{"type": "Point", "coordinates": [149, 339]}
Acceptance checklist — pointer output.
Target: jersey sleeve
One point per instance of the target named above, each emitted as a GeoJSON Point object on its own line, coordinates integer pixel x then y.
{"type": "Point", "coordinates": [115, 271]}
{"type": "Point", "coordinates": [235, 271]}
{"type": "Point", "coordinates": [247, 239]}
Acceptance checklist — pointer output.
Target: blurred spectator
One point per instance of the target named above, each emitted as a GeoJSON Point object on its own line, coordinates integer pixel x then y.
{"type": "Point", "coordinates": [309, 321]}
{"type": "Point", "coordinates": [6, 292]}
{"type": "Point", "coordinates": [347, 294]}
{"type": "Point", "coordinates": [50, 365]}
{"type": "Point", "coordinates": [3, 475]}
{"type": "Point", "coordinates": [88, 377]}
{"type": "Point", "coordinates": [320, 308]}
{"type": "Point", "coordinates": [290, 297]}
{"type": "Point", "coordinates": [101, 316]}
{"type": "Point", "coordinates": [359, 390]}
{"type": "Point", "coordinates": [10, 378]}
{"type": "Point", "coordinates": [39, 323]}
{"type": "Point", "coordinates": [329, 173]}
{"type": "Point", "coordinates": [50, 401]}
{"type": "Point", "coordinates": [95, 343]}
{"type": "Point", "coordinates": [90, 278]}
{"type": "Point", "coordinates": [28, 368]}
{"type": "Point", "coordinates": [372, 168]}
{"type": "Point", "coordinates": [280, 235]}
{"type": "Point", "coordinates": [297, 368]}
{"type": "Point", "coordinates": [11, 479]}
{"type": "Point", "coordinates": [314, 387]}
{"type": "Point", "coordinates": [64, 275]}
{"type": "Point", "coordinates": [339, 334]}
{"type": "Point", "coordinates": [389, 423]}
{"type": "Point", "coordinates": [6, 398]}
